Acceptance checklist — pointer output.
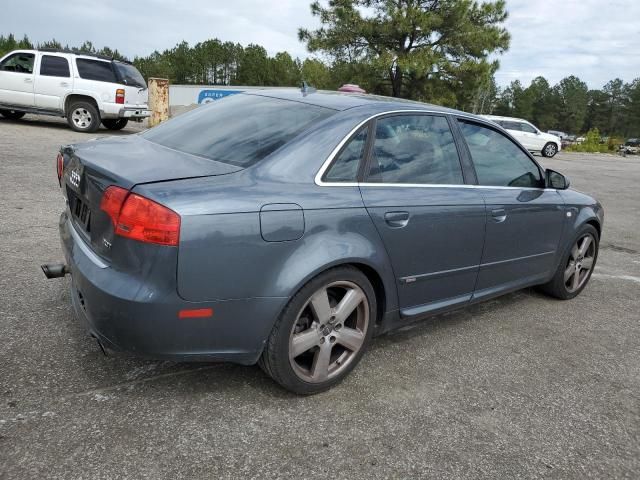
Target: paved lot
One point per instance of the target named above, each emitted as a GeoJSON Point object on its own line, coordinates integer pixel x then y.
{"type": "Point", "coordinates": [520, 387]}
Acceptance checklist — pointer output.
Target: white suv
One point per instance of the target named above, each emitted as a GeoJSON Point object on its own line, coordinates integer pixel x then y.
{"type": "Point", "coordinates": [86, 89]}
{"type": "Point", "coordinates": [528, 135]}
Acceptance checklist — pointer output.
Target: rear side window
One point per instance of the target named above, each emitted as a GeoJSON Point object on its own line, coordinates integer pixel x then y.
{"type": "Point", "coordinates": [345, 166]}
{"type": "Point", "coordinates": [415, 149]}
{"type": "Point", "coordinates": [240, 130]}
{"type": "Point", "coordinates": [511, 125]}
{"type": "Point", "coordinates": [18, 63]}
{"type": "Point", "coordinates": [96, 70]}
{"type": "Point", "coordinates": [51, 66]}
{"type": "Point", "coordinates": [498, 161]}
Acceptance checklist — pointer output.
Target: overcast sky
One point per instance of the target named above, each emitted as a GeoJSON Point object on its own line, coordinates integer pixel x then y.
{"type": "Point", "coordinates": [596, 40]}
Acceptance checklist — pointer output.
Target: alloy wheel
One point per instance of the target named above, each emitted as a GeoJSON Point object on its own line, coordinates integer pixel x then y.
{"type": "Point", "coordinates": [580, 263]}
{"type": "Point", "coordinates": [81, 118]}
{"type": "Point", "coordinates": [329, 331]}
{"type": "Point", "coordinates": [550, 150]}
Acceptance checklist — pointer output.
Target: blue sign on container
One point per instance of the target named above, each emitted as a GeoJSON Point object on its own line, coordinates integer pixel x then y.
{"type": "Point", "coordinates": [208, 96]}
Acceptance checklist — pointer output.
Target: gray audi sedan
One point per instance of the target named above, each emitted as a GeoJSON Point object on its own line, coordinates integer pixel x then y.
{"type": "Point", "coordinates": [286, 228]}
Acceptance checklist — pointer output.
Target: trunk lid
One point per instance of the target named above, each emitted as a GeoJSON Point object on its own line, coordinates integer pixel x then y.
{"type": "Point", "coordinates": [93, 166]}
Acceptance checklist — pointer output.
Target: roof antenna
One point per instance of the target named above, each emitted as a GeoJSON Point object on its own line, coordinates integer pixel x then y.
{"type": "Point", "coordinates": [307, 89]}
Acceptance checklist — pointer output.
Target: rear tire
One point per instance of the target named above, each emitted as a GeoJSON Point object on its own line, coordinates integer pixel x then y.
{"type": "Point", "coordinates": [83, 117]}
{"type": "Point", "coordinates": [575, 269]}
{"type": "Point", "coordinates": [322, 332]}
{"type": "Point", "coordinates": [115, 123]}
{"type": "Point", "coordinates": [12, 114]}
{"type": "Point", "coordinates": [550, 150]}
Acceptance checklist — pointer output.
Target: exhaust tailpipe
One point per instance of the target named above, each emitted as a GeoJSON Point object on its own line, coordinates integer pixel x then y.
{"type": "Point", "coordinates": [55, 270]}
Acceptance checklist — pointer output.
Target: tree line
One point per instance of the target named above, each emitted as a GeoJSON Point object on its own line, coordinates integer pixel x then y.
{"type": "Point", "coordinates": [428, 50]}
{"type": "Point", "coordinates": [570, 106]}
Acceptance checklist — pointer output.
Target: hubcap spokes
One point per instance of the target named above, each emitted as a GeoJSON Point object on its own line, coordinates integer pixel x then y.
{"type": "Point", "coordinates": [329, 331]}
{"type": "Point", "coordinates": [81, 117]}
{"type": "Point", "coordinates": [580, 263]}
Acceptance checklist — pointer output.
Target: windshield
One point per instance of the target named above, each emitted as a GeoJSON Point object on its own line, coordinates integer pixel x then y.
{"type": "Point", "coordinates": [240, 130]}
{"type": "Point", "coordinates": [129, 75]}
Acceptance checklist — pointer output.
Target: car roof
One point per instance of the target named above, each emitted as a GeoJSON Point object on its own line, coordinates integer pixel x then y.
{"type": "Point", "coordinates": [497, 117]}
{"type": "Point", "coordinates": [344, 101]}
{"type": "Point", "coordinates": [77, 53]}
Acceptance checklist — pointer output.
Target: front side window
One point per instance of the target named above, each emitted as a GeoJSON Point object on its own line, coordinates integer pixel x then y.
{"type": "Point", "coordinates": [51, 66]}
{"type": "Point", "coordinates": [525, 127]}
{"type": "Point", "coordinates": [18, 63]}
{"type": "Point", "coordinates": [498, 161]}
{"type": "Point", "coordinates": [96, 70]}
{"type": "Point", "coordinates": [416, 149]}
{"type": "Point", "coordinates": [239, 130]}
{"type": "Point", "coordinates": [345, 166]}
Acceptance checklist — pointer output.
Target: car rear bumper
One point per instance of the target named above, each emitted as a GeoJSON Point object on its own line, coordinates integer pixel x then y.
{"type": "Point", "coordinates": [128, 314]}
{"type": "Point", "coordinates": [134, 113]}
{"type": "Point", "coordinates": [118, 110]}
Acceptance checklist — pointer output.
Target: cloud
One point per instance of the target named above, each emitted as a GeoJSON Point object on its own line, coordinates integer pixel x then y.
{"type": "Point", "coordinates": [594, 39]}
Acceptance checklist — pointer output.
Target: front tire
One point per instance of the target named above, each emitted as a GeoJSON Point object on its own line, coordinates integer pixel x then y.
{"type": "Point", "coordinates": [576, 266]}
{"type": "Point", "coordinates": [83, 117]}
{"type": "Point", "coordinates": [115, 123]}
{"type": "Point", "coordinates": [550, 150]}
{"type": "Point", "coordinates": [12, 114]}
{"type": "Point", "coordinates": [322, 332]}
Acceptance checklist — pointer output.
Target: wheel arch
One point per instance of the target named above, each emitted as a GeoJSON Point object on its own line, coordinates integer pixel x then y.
{"type": "Point", "coordinates": [595, 224]}
{"type": "Point", "coordinates": [78, 97]}
{"type": "Point", "coordinates": [384, 294]}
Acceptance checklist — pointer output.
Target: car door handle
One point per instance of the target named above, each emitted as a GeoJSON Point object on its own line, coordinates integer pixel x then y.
{"type": "Point", "coordinates": [499, 215]}
{"type": "Point", "coordinates": [396, 219]}
{"type": "Point", "coordinates": [64, 84]}
{"type": "Point", "coordinates": [28, 80]}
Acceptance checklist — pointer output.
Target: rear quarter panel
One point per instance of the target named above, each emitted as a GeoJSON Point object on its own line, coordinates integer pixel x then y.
{"type": "Point", "coordinates": [223, 254]}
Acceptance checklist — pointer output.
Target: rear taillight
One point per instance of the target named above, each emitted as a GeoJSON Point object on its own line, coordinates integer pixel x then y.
{"type": "Point", "coordinates": [120, 95]}
{"type": "Point", "coordinates": [60, 167]}
{"type": "Point", "coordinates": [139, 218]}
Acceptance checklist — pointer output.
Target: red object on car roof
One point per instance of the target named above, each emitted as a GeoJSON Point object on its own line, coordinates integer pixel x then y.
{"type": "Point", "coordinates": [351, 88]}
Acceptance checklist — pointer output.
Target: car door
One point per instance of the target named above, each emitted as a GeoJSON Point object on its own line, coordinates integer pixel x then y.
{"type": "Point", "coordinates": [524, 219]}
{"type": "Point", "coordinates": [431, 223]}
{"type": "Point", "coordinates": [514, 128]}
{"type": "Point", "coordinates": [53, 81]}
{"type": "Point", "coordinates": [16, 79]}
{"type": "Point", "coordinates": [534, 140]}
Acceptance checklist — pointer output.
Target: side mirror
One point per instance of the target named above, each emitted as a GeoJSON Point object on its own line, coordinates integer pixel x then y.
{"type": "Point", "coordinates": [556, 180]}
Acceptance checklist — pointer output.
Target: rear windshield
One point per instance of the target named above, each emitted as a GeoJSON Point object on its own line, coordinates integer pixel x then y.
{"type": "Point", "coordinates": [129, 75]}
{"type": "Point", "coordinates": [240, 130]}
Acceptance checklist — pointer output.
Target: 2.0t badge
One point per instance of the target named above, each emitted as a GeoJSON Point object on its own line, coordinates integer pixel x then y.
{"type": "Point", "coordinates": [74, 178]}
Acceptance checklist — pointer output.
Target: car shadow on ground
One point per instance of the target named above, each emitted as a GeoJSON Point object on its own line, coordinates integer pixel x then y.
{"type": "Point", "coordinates": [191, 378]}
{"type": "Point", "coordinates": [55, 123]}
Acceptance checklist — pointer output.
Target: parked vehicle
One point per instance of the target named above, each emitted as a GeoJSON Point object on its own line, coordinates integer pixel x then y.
{"type": "Point", "coordinates": [631, 146]}
{"type": "Point", "coordinates": [557, 133]}
{"type": "Point", "coordinates": [85, 89]}
{"type": "Point", "coordinates": [288, 229]}
{"type": "Point", "coordinates": [529, 136]}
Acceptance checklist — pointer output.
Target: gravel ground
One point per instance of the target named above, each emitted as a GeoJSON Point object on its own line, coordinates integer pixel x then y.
{"type": "Point", "coordinates": [520, 387]}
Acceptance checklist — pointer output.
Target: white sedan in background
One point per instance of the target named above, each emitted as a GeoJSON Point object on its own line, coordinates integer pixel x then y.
{"type": "Point", "coordinates": [528, 135]}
